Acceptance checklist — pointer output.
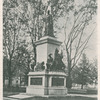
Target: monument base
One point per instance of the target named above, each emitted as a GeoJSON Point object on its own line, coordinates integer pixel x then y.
{"type": "Point", "coordinates": [47, 83]}
{"type": "Point", "coordinates": [46, 91]}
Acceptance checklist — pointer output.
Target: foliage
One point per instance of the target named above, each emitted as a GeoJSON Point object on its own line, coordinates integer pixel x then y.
{"type": "Point", "coordinates": [84, 73]}
{"type": "Point", "coordinates": [10, 34]}
{"type": "Point", "coordinates": [77, 36]}
{"type": "Point", "coordinates": [22, 61]}
{"type": "Point", "coordinates": [93, 73]}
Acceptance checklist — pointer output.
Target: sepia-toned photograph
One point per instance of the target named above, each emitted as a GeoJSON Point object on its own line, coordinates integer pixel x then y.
{"type": "Point", "coordinates": [50, 50]}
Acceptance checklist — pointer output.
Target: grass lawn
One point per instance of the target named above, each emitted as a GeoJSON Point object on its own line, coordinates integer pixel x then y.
{"type": "Point", "coordinates": [7, 93]}
{"type": "Point", "coordinates": [51, 98]}
{"type": "Point", "coordinates": [13, 91]}
{"type": "Point", "coordinates": [61, 98]}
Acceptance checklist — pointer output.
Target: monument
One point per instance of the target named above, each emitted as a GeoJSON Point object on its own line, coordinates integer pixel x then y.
{"type": "Point", "coordinates": [47, 78]}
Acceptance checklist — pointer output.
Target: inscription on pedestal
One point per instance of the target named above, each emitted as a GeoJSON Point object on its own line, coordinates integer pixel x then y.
{"type": "Point", "coordinates": [36, 81]}
{"type": "Point", "coordinates": [57, 81]}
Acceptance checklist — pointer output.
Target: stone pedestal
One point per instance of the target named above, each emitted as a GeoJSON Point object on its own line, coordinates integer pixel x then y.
{"type": "Point", "coordinates": [45, 46]}
{"type": "Point", "coordinates": [47, 83]}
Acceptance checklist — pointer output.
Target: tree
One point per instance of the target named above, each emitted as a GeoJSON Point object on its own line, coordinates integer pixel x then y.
{"type": "Point", "coordinates": [10, 34]}
{"type": "Point", "coordinates": [77, 36]}
{"type": "Point", "coordinates": [29, 17]}
{"type": "Point", "coordinates": [93, 73]}
{"type": "Point", "coordinates": [85, 72]}
{"type": "Point", "coordinates": [22, 61]}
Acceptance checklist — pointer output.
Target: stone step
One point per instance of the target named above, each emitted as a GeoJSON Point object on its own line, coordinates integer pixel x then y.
{"type": "Point", "coordinates": [20, 96]}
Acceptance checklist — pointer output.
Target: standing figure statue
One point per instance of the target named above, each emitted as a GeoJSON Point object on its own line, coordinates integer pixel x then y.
{"type": "Point", "coordinates": [48, 21]}
{"type": "Point", "coordinates": [32, 63]}
{"type": "Point", "coordinates": [49, 61]}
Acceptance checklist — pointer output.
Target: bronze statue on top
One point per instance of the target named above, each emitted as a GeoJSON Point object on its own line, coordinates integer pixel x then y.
{"type": "Point", "coordinates": [48, 21]}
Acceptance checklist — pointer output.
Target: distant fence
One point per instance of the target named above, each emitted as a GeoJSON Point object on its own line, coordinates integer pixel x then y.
{"type": "Point", "coordinates": [82, 91]}
{"type": "Point", "coordinates": [15, 89]}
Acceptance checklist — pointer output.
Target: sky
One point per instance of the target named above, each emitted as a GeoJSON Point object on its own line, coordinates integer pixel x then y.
{"type": "Point", "coordinates": [91, 50]}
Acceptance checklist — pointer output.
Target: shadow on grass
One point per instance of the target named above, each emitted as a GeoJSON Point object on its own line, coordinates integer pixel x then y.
{"type": "Point", "coordinates": [6, 94]}
{"type": "Point", "coordinates": [61, 98]}
{"type": "Point", "coordinates": [13, 91]}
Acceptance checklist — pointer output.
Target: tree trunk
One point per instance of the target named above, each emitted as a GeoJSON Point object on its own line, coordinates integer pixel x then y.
{"type": "Point", "coordinates": [9, 74]}
{"type": "Point", "coordinates": [35, 54]}
{"type": "Point", "coordinates": [82, 86]}
{"type": "Point", "coordinates": [10, 81]}
{"type": "Point", "coordinates": [69, 80]}
{"type": "Point", "coordinates": [4, 80]}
